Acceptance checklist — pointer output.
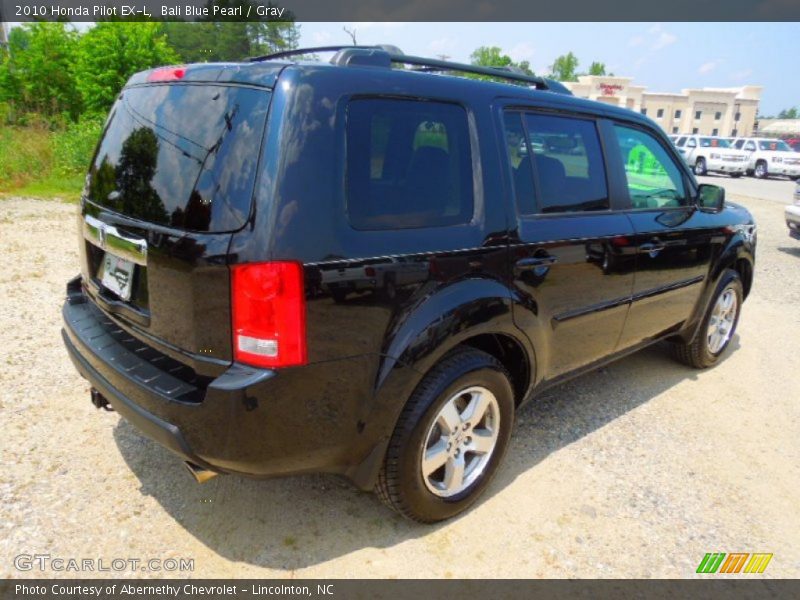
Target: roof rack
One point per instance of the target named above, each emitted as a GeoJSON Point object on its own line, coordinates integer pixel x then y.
{"type": "Point", "coordinates": [387, 55]}
{"type": "Point", "coordinates": [302, 51]}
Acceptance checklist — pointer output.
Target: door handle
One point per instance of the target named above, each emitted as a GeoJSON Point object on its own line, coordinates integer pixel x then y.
{"type": "Point", "coordinates": [538, 261]}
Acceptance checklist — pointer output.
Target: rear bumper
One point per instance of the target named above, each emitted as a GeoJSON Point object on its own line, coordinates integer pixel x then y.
{"type": "Point", "coordinates": [254, 422]}
{"type": "Point", "coordinates": [166, 434]}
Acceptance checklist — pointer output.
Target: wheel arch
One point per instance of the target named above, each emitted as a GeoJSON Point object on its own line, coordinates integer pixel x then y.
{"type": "Point", "coordinates": [476, 313]}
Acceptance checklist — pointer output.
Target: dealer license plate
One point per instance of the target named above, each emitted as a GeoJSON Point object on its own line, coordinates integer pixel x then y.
{"type": "Point", "coordinates": [118, 275]}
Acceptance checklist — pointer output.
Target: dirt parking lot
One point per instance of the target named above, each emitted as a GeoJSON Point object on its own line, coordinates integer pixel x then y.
{"type": "Point", "coordinates": [636, 470]}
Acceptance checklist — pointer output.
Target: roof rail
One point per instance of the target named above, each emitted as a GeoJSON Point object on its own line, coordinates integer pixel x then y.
{"type": "Point", "coordinates": [301, 51]}
{"type": "Point", "coordinates": [394, 55]}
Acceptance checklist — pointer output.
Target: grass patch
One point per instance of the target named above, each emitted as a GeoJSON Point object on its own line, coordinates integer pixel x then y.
{"type": "Point", "coordinates": [41, 162]}
{"type": "Point", "coordinates": [67, 188]}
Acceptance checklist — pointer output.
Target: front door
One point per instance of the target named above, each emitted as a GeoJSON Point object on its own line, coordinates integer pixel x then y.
{"type": "Point", "coordinates": [674, 241]}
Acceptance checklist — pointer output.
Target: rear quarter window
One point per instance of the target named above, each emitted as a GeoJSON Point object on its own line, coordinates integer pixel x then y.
{"type": "Point", "coordinates": [408, 164]}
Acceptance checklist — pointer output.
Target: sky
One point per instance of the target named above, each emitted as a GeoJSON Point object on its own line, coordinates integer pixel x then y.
{"type": "Point", "coordinates": [664, 57]}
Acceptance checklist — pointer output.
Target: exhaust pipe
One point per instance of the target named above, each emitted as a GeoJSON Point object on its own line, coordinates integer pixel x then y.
{"type": "Point", "coordinates": [200, 474]}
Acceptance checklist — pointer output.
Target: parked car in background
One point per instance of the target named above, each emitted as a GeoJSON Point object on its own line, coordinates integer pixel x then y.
{"type": "Point", "coordinates": [792, 213]}
{"type": "Point", "coordinates": [768, 156]}
{"type": "Point", "coordinates": [711, 154]}
{"type": "Point", "coordinates": [794, 143]}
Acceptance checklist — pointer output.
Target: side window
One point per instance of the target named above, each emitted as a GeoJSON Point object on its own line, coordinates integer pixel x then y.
{"type": "Point", "coordinates": [654, 179]}
{"type": "Point", "coordinates": [518, 153]}
{"type": "Point", "coordinates": [681, 142]}
{"type": "Point", "coordinates": [408, 164]}
{"type": "Point", "coordinates": [692, 143]}
{"type": "Point", "coordinates": [567, 164]}
{"type": "Point", "coordinates": [738, 145]}
{"type": "Point", "coordinates": [750, 146]}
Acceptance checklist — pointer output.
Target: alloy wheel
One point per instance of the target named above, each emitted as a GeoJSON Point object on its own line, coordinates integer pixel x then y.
{"type": "Point", "coordinates": [460, 441]}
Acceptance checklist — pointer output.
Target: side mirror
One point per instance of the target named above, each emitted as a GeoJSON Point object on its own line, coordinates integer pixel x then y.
{"type": "Point", "coordinates": [710, 198]}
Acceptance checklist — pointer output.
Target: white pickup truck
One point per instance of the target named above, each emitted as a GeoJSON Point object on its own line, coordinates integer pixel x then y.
{"type": "Point", "coordinates": [711, 154]}
{"type": "Point", "coordinates": [769, 157]}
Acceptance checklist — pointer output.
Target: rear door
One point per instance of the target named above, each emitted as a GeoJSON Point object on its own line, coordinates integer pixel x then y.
{"type": "Point", "coordinates": [573, 264]}
{"type": "Point", "coordinates": [172, 177]}
{"type": "Point", "coordinates": [674, 242]}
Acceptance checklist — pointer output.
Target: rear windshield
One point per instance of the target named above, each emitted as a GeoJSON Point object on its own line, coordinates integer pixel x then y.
{"type": "Point", "coordinates": [181, 155]}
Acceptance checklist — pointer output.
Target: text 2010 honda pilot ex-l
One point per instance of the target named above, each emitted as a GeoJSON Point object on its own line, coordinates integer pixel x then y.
{"type": "Point", "coordinates": [355, 268]}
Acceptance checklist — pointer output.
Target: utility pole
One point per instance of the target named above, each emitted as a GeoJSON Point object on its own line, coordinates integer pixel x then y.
{"type": "Point", "coordinates": [3, 32]}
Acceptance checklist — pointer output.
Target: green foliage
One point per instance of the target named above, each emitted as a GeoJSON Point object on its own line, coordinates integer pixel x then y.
{"type": "Point", "coordinates": [109, 53]}
{"type": "Point", "coordinates": [25, 153]}
{"type": "Point", "coordinates": [229, 40]}
{"type": "Point", "coordinates": [73, 146]}
{"type": "Point", "coordinates": [565, 67]}
{"type": "Point", "coordinates": [36, 71]}
{"type": "Point", "coordinates": [37, 160]}
{"type": "Point", "coordinates": [492, 56]}
{"type": "Point", "coordinates": [597, 68]}
{"type": "Point", "coordinates": [790, 113]}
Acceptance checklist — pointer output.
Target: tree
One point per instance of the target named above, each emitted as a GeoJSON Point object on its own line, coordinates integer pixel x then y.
{"type": "Point", "coordinates": [791, 113]}
{"type": "Point", "coordinates": [36, 71]}
{"type": "Point", "coordinates": [597, 68]}
{"type": "Point", "coordinates": [230, 38]}
{"type": "Point", "coordinates": [109, 53]}
{"type": "Point", "coordinates": [492, 56]}
{"type": "Point", "coordinates": [564, 67]}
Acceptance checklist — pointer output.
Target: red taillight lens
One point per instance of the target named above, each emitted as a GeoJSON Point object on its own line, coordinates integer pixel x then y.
{"type": "Point", "coordinates": [369, 271]}
{"type": "Point", "coordinates": [269, 314]}
{"type": "Point", "coordinates": [167, 74]}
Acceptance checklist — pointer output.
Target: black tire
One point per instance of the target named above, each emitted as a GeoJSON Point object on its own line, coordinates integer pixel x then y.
{"type": "Point", "coordinates": [762, 170]}
{"type": "Point", "coordinates": [697, 354]}
{"type": "Point", "coordinates": [400, 484]}
{"type": "Point", "coordinates": [700, 166]}
{"type": "Point", "coordinates": [736, 175]}
{"type": "Point", "coordinates": [389, 289]}
{"type": "Point", "coordinates": [339, 295]}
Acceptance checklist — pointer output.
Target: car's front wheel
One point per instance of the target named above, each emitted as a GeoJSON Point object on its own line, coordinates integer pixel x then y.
{"type": "Point", "coordinates": [449, 439]}
{"type": "Point", "coordinates": [700, 166]}
{"type": "Point", "coordinates": [718, 325]}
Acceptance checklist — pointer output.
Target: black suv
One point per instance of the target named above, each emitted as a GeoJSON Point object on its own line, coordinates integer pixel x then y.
{"type": "Point", "coordinates": [365, 266]}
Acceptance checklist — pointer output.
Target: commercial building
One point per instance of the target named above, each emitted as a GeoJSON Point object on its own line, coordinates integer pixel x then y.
{"type": "Point", "coordinates": [705, 111]}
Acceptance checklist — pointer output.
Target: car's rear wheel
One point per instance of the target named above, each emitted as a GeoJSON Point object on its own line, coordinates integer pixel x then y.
{"type": "Point", "coordinates": [700, 166]}
{"type": "Point", "coordinates": [736, 175]}
{"type": "Point", "coordinates": [718, 325]}
{"type": "Point", "coordinates": [449, 439]}
{"type": "Point", "coordinates": [762, 172]}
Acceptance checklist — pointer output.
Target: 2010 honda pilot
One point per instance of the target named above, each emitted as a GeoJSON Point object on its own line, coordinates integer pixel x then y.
{"type": "Point", "coordinates": [366, 266]}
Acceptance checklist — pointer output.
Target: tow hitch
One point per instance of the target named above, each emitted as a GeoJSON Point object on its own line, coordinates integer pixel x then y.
{"type": "Point", "coordinates": [100, 401]}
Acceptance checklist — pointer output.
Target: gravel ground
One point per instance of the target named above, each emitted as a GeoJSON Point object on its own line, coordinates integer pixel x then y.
{"type": "Point", "coordinates": [636, 470]}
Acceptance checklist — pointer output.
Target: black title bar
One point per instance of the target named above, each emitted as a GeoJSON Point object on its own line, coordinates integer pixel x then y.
{"type": "Point", "coordinates": [404, 10]}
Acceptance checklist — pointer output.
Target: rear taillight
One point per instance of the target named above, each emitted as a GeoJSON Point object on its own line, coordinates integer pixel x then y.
{"type": "Point", "coordinates": [369, 271]}
{"type": "Point", "coordinates": [269, 314]}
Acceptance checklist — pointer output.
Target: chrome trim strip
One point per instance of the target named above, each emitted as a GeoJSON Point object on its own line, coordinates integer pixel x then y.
{"type": "Point", "coordinates": [109, 238]}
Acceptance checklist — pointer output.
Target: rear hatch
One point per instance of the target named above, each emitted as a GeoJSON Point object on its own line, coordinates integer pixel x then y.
{"type": "Point", "coordinates": [171, 179]}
